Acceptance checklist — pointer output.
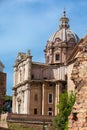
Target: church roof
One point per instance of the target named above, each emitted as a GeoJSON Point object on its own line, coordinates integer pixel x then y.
{"type": "Point", "coordinates": [64, 33]}
{"type": "Point", "coordinates": [64, 36]}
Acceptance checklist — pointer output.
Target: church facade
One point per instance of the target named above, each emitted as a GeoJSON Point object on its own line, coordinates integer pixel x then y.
{"type": "Point", "coordinates": [37, 86]}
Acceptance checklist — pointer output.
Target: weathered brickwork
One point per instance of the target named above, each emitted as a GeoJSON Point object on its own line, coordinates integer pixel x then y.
{"type": "Point", "coordinates": [2, 88]}
{"type": "Point", "coordinates": [78, 117]}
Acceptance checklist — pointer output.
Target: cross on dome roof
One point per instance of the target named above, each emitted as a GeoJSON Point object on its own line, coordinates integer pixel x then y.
{"type": "Point", "coordinates": [64, 13]}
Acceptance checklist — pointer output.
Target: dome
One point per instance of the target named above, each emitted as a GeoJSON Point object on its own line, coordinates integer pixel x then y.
{"type": "Point", "coordinates": [64, 34]}
{"type": "Point", "coordinates": [61, 44]}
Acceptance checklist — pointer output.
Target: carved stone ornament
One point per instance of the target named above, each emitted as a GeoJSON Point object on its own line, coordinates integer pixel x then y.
{"type": "Point", "coordinates": [19, 99]}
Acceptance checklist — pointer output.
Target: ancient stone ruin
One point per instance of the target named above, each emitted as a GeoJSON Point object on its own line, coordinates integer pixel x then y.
{"type": "Point", "coordinates": [78, 117]}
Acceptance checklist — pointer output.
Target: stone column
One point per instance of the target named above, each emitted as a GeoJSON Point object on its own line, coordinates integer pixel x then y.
{"type": "Point", "coordinates": [56, 98]}
{"type": "Point", "coordinates": [14, 102]}
{"type": "Point", "coordinates": [27, 86]}
{"type": "Point", "coordinates": [15, 76]}
{"type": "Point", "coordinates": [27, 100]}
{"type": "Point", "coordinates": [43, 98]}
{"type": "Point", "coordinates": [28, 67]}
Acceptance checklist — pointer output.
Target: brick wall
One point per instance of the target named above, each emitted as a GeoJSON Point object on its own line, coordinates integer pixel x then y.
{"type": "Point", "coordinates": [2, 88]}
{"type": "Point", "coordinates": [36, 89]}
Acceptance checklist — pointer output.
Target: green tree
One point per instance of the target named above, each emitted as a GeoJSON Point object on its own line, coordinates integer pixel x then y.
{"type": "Point", "coordinates": [65, 106]}
{"type": "Point", "coordinates": [7, 105]}
{"type": "Point", "coordinates": [7, 97]}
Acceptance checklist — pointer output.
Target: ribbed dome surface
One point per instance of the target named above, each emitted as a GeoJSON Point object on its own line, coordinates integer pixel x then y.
{"type": "Point", "coordinates": [64, 34]}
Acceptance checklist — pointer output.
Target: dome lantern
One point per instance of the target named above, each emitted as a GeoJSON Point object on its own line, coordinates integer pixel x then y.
{"type": "Point", "coordinates": [64, 21]}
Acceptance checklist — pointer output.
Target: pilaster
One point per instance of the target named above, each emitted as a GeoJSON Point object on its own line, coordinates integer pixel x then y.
{"type": "Point", "coordinates": [43, 87]}
{"type": "Point", "coordinates": [56, 98]}
{"type": "Point", "coordinates": [14, 102]}
{"type": "Point", "coordinates": [27, 100]}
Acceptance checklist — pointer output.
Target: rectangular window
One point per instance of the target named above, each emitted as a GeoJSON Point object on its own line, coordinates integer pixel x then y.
{"type": "Point", "coordinates": [57, 57]}
{"type": "Point", "coordinates": [50, 112]}
{"type": "Point", "coordinates": [50, 98]}
{"type": "Point", "coordinates": [32, 76]}
{"type": "Point", "coordinates": [35, 111]}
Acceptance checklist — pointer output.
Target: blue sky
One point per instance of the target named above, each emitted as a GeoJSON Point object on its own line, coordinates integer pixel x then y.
{"type": "Point", "coordinates": [28, 24]}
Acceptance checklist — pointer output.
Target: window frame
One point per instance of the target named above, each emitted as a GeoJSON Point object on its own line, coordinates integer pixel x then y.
{"type": "Point", "coordinates": [50, 102]}
{"type": "Point", "coordinates": [50, 112]}
{"type": "Point", "coordinates": [35, 111]}
{"type": "Point", "coordinates": [57, 57]}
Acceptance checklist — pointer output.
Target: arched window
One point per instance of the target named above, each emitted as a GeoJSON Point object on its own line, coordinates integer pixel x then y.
{"type": "Point", "coordinates": [57, 57]}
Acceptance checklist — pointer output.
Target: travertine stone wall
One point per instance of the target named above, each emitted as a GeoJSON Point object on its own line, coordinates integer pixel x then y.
{"type": "Point", "coordinates": [78, 117]}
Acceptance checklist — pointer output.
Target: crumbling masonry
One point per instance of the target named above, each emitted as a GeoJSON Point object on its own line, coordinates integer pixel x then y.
{"type": "Point", "coordinates": [78, 117]}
